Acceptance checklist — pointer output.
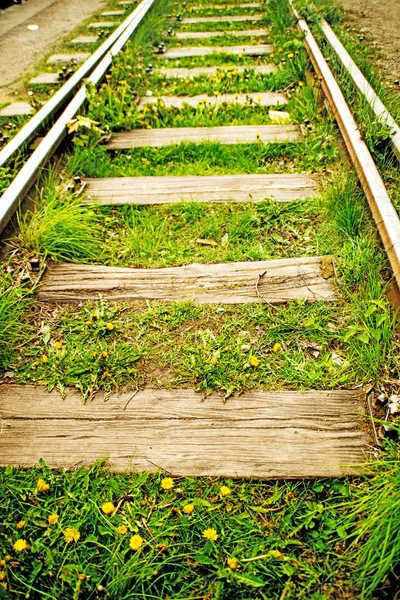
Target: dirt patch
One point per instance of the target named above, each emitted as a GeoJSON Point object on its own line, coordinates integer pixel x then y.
{"type": "Point", "coordinates": [21, 49]}
{"type": "Point", "coordinates": [381, 20]}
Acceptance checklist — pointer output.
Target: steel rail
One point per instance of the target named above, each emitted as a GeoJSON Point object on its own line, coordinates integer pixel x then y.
{"type": "Point", "coordinates": [383, 211]}
{"type": "Point", "coordinates": [62, 95]}
{"type": "Point", "coordinates": [362, 84]}
{"type": "Point", "coordinates": [25, 178]}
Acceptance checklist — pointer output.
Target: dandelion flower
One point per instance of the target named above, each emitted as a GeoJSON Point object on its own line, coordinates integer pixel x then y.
{"type": "Point", "coordinates": [89, 322]}
{"type": "Point", "coordinates": [20, 545]}
{"type": "Point", "coordinates": [58, 345]}
{"type": "Point", "coordinates": [136, 542]}
{"type": "Point", "coordinates": [254, 361]}
{"type": "Point", "coordinates": [52, 519]}
{"type": "Point", "coordinates": [167, 483]}
{"type": "Point", "coordinates": [44, 359]}
{"type": "Point", "coordinates": [277, 347]}
{"type": "Point", "coordinates": [122, 529]}
{"type": "Point", "coordinates": [188, 509]}
{"type": "Point", "coordinates": [2, 575]}
{"type": "Point", "coordinates": [20, 524]}
{"type": "Point", "coordinates": [210, 534]}
{"type": "Point", "coordinates": [224, 490]}
{"type": "Point", "coordinates": [81, 576]}
{"type": "Point", "coordinates": [232, 563]}
{"type": "Point", "coordinates": [71, 534]}
{"type": "Point", "coordinates": [42, 486]}
{"type": "Point", "coordinates": [109, 326]}
{"type": "Point", "coordinates": [108, 508]}
{"type": "Point", "coordinates": [104, 354]}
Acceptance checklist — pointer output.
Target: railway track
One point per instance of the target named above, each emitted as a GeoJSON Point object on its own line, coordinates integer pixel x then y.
{"type": "Point", "coordinates": [218, 93]}
{"type": "Point", "coordinates": [196, 258]}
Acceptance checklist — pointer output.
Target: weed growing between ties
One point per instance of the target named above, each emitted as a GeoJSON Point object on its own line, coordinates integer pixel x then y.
{"type": "Point", "coordinates": [94, 533]}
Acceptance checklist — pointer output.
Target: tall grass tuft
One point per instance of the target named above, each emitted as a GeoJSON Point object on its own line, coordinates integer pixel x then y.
{"type": "Point", "coordinates": [14, 306]}
{"type": "Point", "coordinates": [59, 227]}
{"type": "Point", "coordinates": [372, 520]}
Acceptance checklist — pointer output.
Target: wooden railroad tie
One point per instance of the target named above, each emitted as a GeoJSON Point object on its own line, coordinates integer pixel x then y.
{"type": "Point", "coordinates": [283, 434]}
{"type": "Point", "coordinates": [189, 51]}
{"type": "Point", "coordinates": [195, 35]}
{"type": "Point", "coordinates": [212, 188]}
{"type": "Point", "coordinates": [255, 98]}
{"type": "Point", "coordinates": [222, 19]}
{"type": "Point", "coordinates": [239, 134]}
{"type": "Point", "coordinates": [271, 281]}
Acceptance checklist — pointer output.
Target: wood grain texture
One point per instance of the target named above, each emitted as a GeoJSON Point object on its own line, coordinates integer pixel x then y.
{"type": "Point", "coordinates": [102, 25]}
{"type": "Point", "coordinates": [85, 39]}
{"type": "Point", "coordinates": [228, 5]}
{"type": "Point", "coordinates": [198, 35]}
{"type": "Point", "coordinates": [223, 19]}
{"type": "Point", "coordinates": [187, 51]}
{"type": "Point", "coordinates": [238, 134]}
{"type": "Point", "coordinates": [15, 109]}
{"type": "Point", "coordinates": [45, 79]}
{"type": "Point", "coordinates": [279, 281]}
{"type": "Point", "coordinates": [112, 13]}
{"type": "Point", "coordinates": [255, 98]}
{"type": "Point", "coordinates": [79, 57]}
{"type": "Point", "coordinates": [214, 188]}
{"type": "Point", "coordinates": [282, 434]}
{"type": "Point", "coordinates": [196, 71]}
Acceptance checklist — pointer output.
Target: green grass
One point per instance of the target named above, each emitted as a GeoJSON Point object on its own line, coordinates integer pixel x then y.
{"type": "Point", "coordinates": [167, 235]}
{"type": "Point", "coordinates": [281, 534]}
{"type": "Point", "coordinates": [58, 227]}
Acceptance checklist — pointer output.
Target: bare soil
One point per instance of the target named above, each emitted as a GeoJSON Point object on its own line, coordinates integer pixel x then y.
{"type": "Point", "coordinates": [21, 49]}
{"type": "Point", "coordinates": [380, 19]}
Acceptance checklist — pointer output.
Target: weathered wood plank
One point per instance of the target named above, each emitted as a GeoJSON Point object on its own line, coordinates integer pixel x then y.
{"type": "Point", "coordinates": [222, 19]}
{"type": "Point", "coordinates": [102, 25]}
{"type": "Point", "coordinates": [188, 51]}
{"type": "Point", "coordinates": [16, 109]}
{"type": "Point", "coordinates": [228, 5]}
{"type": "Point", "coordinates": [256, 98]}
{"type": "Point", "coordinates": [273, 281]}
{"type": "Point", "coordinates": [283, 434]}
{"type": "Point", "coordinates": [85, 39]}
{"type": "Point", "coordinates": [78, 57]}
{"type": "Point", "coordinates": [45, 79]}
{"type": "Point", "coordinates": [198, 35]}
{"type": "Point", "coordinates": [112, 13]}
{"type": "Point", "coordinates": [196, 71]}
{"type": "Point", "coordinates": [239, 134]}
{"type": "Point", "coordinates": [217, 188]}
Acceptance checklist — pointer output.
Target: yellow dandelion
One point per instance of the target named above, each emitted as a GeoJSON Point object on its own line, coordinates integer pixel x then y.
{"type": "Point", "coordinates": [2, 563]}
{"type": "Point", "coordinates": [290, 55]}
{"type": "Point", "coordinates": [20, 524]}
{"type": "Point", "coordinates": [224, 490]}
{"type": "Point", "coordinates": [2, 575]}
{"type": "Point", "coordinates": [214, 360]}
{"type": "Point", "coordinates": [301, 83]}
{"type": "Point", "coordinates": [188, 509]}
{"type": "Point", "coordinates": [277, 347]}
{"type": "Point", "coordinates": [20, 545]}
{"type": "Point", "coordinates": [89, 322]}
{"type": "Point", "coordinates": [81, 576]}
{"type": "Point", "coordinates": [167, 483]}
{"type": "Point", "coordinates": [232, 563]}
{"type": "Point", "coordinates": [42, 486]}
{"type": "Point", "coordinates": [254, 361]}
{"type": "Point", "coordinates": [122, 529]}
{"type": "Point", "coordinates": [109, 326]}
{"type": "Point", "coordinates": [52, 519]}
{"type": "Point", "coordinates": [58, 345]}
{"type": "Point", "coordinates": [71, 534]}
{"type": "Point", "coordinates": [236, 95]}
{"type": "Point", "coordinates": [108, 508]}
{"type": "Point", "coordinates": [210, 534]}
{"type": "Point", "coordinates": [44, 359]}
{"type": "Point", "coordinates": [136, 542]}
{"type": "Point", "coordinates": [104, 354]}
